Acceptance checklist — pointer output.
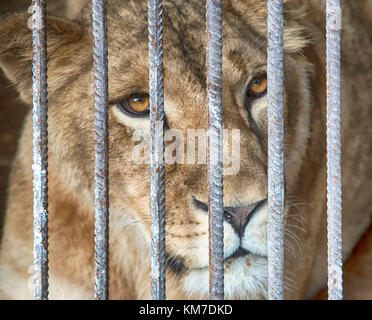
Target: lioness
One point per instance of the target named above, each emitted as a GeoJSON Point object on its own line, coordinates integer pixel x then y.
{"type": "Point", "coordinates": [71, 149]}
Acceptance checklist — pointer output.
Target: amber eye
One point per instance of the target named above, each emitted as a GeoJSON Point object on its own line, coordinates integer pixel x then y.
{"type": "Point", "coordinates": [257, 87]}
{"type": "Point", "coordinates": [136, 105]}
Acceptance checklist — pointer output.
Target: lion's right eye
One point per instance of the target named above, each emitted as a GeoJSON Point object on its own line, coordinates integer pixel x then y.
{"type": "Point", "coordinates": [257, 87]}
{"type": "Point", "coordinates": [137, 105]}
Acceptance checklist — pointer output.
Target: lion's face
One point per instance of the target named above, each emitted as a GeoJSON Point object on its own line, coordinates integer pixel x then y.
{"type": "Point", "coordinates": [244, 110]}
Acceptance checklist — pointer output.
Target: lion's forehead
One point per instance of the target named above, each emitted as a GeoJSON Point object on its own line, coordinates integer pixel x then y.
{"type": "Point", "coordinates": [184, 42]}
{"type": "Point", "coordinates": [184, 33]}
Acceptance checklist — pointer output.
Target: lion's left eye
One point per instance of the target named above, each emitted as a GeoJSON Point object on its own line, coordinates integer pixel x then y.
{"type": "Point", "coordinates": [257, 87]}
{"type": "Point", "coordinates": [136, 105]}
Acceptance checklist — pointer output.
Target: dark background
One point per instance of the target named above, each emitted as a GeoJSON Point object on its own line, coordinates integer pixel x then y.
{"type": "Point", "coordinates": [12, 109]}
{"type": "Point", "coordinates": [12, 112]}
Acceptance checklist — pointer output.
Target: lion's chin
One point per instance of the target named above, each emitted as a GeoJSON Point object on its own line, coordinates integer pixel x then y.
{"type": "Point", "coordinates": [245, 278]}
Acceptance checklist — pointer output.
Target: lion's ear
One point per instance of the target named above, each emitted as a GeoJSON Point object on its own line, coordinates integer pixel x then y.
{"type": "Point", "coordinates": [65, 41]}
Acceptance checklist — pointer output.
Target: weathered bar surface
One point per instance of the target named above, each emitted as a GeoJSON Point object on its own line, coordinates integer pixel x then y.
{"type": "Point", "coordinates": [214, 85]}
{"type": "Point", "coordinates": [40, 149]}
{"type": "Point", "coordinates": [101, 149]}
{"type": "Point", "coordinates": [334, 183]}
{"type": "Point", "coordinates": [275, 99]}
{"type": "Point", "coordinates": [157, 189]}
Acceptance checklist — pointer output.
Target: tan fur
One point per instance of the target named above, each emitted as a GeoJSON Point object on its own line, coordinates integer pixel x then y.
{"type": "Point", "coordinates": [71, 149]}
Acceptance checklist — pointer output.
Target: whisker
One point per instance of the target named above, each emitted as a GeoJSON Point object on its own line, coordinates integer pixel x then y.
{"type": "Point", "coordinates": [293, 237]}
{"type": "Point", "coordinates": [295, 227]}
{"type": "Point", "coordinates": [290, 250]}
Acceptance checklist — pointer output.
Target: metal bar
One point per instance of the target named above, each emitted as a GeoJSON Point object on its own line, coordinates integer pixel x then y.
{"type": "Point", "coordinates": [40, 149]}
{"type": "Point", "coordinates": [334, 199]}
{"type": "Point", "coordinates": [275, 99]}
{"type": "Point", "coordinates": [101, 149]}
{"type": "Point", "coordinates": [214, 85]}
{"type": "Point", "coordinates": [155, 18]}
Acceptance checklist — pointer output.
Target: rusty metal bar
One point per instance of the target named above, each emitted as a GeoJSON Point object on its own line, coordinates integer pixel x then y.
{"type": "Point", "coordinates": [214, 85]}
{"type": "Point", "coordinates": [334, 183]}
{"type": "Point", "coordinates": [275, 111]}
{"type": "Point", "coordinates": [99, 12]}
{"type": "Point", "coordinates": [40, 149]}
{"type": "Point", "coordinates": [157, 189]}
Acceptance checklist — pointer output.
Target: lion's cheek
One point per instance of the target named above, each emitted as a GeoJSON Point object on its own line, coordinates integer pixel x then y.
{"type": "Point", "coordinates": [254, 238]}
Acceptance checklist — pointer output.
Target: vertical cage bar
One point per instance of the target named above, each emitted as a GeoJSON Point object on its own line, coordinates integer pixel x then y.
{"type": "Point", "coordinates": [40, 149]}
{"type": "Point", "coordinates": [214, 85]}
{"type": "Point", "coordinates": [157, 189]}
{"type": "Point", "coordinates": [275, 99]}
{"type": "Point", "coordinates": [99, 8]}
{"type": "Point", "coordinates": [334, 196]}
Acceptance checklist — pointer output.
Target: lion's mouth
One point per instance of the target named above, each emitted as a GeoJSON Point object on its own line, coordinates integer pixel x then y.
{"type": "Point", "coordinates": [177, 266]}
{"type": "Point", "coordinates": [239, 256]}
{"type": "Point", "coordinates": [240, 252]}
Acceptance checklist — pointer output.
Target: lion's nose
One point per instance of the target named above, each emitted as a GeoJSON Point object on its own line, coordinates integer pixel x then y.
{"type": "Point", "coordinates": [239, 217]}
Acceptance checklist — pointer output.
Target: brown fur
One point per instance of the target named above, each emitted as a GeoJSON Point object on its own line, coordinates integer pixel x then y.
{"type": "Point", "coordinates": [71, 148]}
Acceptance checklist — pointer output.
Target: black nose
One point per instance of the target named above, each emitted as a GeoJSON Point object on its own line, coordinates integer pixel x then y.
{"type": "Point", "coordinates": [239, 217]}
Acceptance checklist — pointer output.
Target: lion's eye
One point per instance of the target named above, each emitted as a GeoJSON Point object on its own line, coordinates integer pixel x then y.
{"type": "Point", "coordinates": [136, 105]}
{"type": "Point", "coordinates": [257, 87]}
